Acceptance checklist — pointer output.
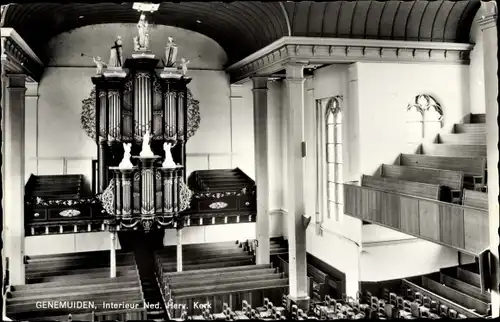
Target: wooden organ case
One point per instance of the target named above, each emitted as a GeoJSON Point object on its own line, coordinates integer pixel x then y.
{"type": "Point", "coordinates": [127, 106]}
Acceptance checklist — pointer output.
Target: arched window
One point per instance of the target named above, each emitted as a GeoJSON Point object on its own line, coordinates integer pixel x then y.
{"type": "Point", "coordinates": [334, 180]}
{"type": "Point", "coordinates": [424, 117]}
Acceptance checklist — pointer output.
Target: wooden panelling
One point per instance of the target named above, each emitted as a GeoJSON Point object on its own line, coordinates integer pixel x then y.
{"type": "Point", "coordinates": [458, 226]}
{"type": "Point", "coordinates": [410, 222]}
{"type": "Point", "coordinates": [429, 219]}
{"type": "Point", "coordinates": [452, 226]}
{"type": "Point", "coordinates": [469, 166]}
{"type": "Point", "coordinates": [476, 199]}
{"type": "Point", "coordinates": [447, 178]}
{"type": "Point", "coordinates": [476, 230]}
{"type": "Point", "coordinates": [391, 205]}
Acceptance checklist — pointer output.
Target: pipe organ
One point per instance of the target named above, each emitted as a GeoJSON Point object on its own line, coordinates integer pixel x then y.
{"type": "Point", "coordinates": [128, 106]}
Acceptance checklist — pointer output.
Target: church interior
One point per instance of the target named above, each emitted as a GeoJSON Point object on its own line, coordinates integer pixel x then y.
{"type": "Point", "coordinates": [250, 160]}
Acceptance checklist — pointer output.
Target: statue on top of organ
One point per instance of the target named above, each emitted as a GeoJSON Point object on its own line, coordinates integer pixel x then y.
{"type": "Point", "coordinates": [141, 133]}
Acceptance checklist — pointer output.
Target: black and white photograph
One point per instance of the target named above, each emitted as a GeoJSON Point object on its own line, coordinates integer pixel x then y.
{"type": "Point", "coordinates": [249, 160]}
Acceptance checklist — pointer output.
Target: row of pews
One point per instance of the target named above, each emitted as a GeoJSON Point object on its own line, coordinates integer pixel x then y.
{"type": "Point", "coordinates": [214, 274]}
{"type": "Point", "coordinates": [78, 284]}
{"type": "Point", "coordinates": [442, 171]}
{"type": "Point", "coordinates": [458, 288]}
{"type": "Point", "coordinates": [439, 194]}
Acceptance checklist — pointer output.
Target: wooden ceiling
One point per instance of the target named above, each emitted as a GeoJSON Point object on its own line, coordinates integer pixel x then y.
{"type": "Point", "coordinates": [242, 28]}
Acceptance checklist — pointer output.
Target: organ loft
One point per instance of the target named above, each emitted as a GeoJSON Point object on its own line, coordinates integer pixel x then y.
{"type": "Point", "coordinates": [250, 160]}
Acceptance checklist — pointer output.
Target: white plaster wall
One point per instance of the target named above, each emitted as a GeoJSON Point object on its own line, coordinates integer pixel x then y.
{"type": "Point", "coordinates": [385, 89]}
{"type": "Point", "coordinates": [387, 261]}
{"type": "Point", "coordinates": [476, 68]}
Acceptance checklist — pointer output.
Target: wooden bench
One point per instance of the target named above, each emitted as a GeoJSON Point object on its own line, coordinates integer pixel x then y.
{"type": "Point", "coordinates": [476, 199]}
{"type": "Point", "coordinates": [456, 296]}
{"type": "Point", "coordinates": [454, 150]}
{"type": "Point", "coordinates": [441, 300]}
{"type": "Point", "coordinates": [468, 276]}
{"type": "Point", "coordinates": [209, 265]}
{"type": "Point", "coordinates": [478, 118]}
{"type": "Point", "coordinates": [479, 128]}
{"type": "Point", "coordinates": [75, 264]}
{"type": "Point", "coordinates": [463, 138]}
{"type": "Point", "coordinates": [201, 255]}
{"type": "Point", "coordinates": [75, 275]}
{"type": "Point", "coordinates": [454, 180]}
{"type": "Point", "coordinates": [474, 169]}
{"type": "Point", "coordinates": [426, 190]}
{"type": "Point", "coordinates": [466, 288]}
{"type": "Point", "coordinates": [202, 272]}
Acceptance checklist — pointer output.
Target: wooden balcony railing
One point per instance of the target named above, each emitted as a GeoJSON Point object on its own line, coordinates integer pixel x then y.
{"type": "Point", "coordinates": [461, 227]}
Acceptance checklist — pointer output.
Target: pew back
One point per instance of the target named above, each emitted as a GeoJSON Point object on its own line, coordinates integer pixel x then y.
{"type": "Point", "coordinates": [469, 166]}
{"type": "Point", "coordinates": [452, 179]}
{"type": "Point", "coordinates": [431, 191]}
{"type": "Point", "coordinates": [476, 199]}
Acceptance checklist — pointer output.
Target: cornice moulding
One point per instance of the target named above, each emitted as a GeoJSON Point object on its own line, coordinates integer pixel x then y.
{"type": "Point", "coordinates": [18, 57]}
{"type": "Point", "coordinates": [273, 57]}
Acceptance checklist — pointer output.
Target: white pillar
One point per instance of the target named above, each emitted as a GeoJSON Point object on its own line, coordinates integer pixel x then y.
{"type": "Point", "coordinates": [488, 23]}
{"type": "Point", "coordinates": [294, 109]}
{"type": "Point", "coordinates": [31, 130]}
{"type": "Point", "coordinates": [112, 255]}
{"type": "Point", "coordinates": [179, 250]}
{"type": "Point", "coordinates": [260, 130]}
{"type": "Point", "coordinates": [14, 176]}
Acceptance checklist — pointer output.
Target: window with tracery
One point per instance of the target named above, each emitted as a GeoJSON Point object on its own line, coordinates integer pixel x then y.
{"type": "Point", "coordinates": [424, 117]}
{"type": "Point", "coordinates": [330, 148]}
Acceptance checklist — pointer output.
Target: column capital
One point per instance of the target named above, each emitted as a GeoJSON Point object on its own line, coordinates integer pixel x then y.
{"type": "Point", "coordinates": [295, 71]}
{"type": "Point", "coordinates": [489, 18]}
{"type": "Point", "coordinates": [259, 83]}
{"type": "Point", "coordinates": [236, 90]}
{"type": "Point", "coordinates": [16, 80]}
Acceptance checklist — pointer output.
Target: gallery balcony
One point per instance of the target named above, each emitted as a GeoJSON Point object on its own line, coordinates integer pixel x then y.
{"type": "Point", "coordinates": [464, 228]}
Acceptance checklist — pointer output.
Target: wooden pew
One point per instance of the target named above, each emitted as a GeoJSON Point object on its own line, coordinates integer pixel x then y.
{"type": "Point", "coordinates": [456, 296]}
{"type": "Point", "coordinates": [476, 199]}
{"type": "Point", "coordinates": [453, 180]}
{"type": "Point", "coordinates": [431, 191]}
{"type": "Point", "coordinates": [454, 150]}
{"type": "Point", "coordinates": [463, 138]}
{"type": "Point", "coordinates": [469, 166]}
{"type": "Point", "coordinates": [479, 128]}
{"type": "Point", "coordinates": [468, 276]}
{"type": "Point", "coordinates": [407, 284]}
{"type": "Point", "coordinates": [217, 264]}
{"type": "Point", "coordinates": [463, 287]}
{"type": "Point", "coordinates": [202, 272]}
{"type": "Point", "coordinates": [474, 169]}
